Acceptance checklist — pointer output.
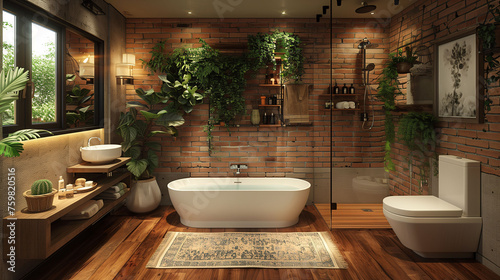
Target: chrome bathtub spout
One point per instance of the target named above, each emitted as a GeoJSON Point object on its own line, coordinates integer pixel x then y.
{"type": "Point", "coordinates": [238, 167]}
{"type": "Point", "coordinates": [94, 137]}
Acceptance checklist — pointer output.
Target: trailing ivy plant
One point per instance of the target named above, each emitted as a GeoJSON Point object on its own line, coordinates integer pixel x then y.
{"type": "Point", "coordinates": [388, 89]}
{"type": "Point", "coordinates": [159, 59]}
{"type": "Point", "coordinates": [263, 48]}
{"type": "Point", "coordinates": [486, 32]}
{"type": "Point", "coordinates": [417, 132]}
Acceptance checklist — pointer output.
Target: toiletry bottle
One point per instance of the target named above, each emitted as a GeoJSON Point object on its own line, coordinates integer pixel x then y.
{"type": "Point", "coordinates": [270, 100]}
{"type": "Point", "coordinates": [345, 90]}
{"type": "Point", "coordinates": [352, 90]}
{"type": "Point", "coordinates": [336, 89]}
{"type": "Point", "coordinates": [62, 193]}
{"type": "Point", "coordinates": [60, 188]}
{"type": "Point", "coordinates": [262, 100]}
{"type": "Point", "coordinates": [70, 192]}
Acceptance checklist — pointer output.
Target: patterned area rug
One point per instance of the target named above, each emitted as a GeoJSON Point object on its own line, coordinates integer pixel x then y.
{"type": "Point", "coordinates": [247, 249]}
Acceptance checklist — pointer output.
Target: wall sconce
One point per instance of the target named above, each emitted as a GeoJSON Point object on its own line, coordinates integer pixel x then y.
{"type": "Point", "coordinates": [124, 70]}
{"type": "Point", "coordinates": [87, 69]}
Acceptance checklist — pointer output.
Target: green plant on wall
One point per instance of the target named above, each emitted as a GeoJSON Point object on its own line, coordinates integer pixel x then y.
{"type": "Point", "coordinates": [486, 32]}
{"type": "Point", "coordinates": [221, 77]}
{"type": "Point", "coordinates": [262, 48]}
{"type": "Point", "coordinates": [387, 91]}
{"type": "Point", "coordinates": [417, 132]}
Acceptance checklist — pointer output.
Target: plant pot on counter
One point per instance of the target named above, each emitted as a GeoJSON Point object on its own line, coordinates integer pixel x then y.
{"type": "Point", "coordinates": [145, 196]}
{"type": "Point", "coordinates": [39, 203]}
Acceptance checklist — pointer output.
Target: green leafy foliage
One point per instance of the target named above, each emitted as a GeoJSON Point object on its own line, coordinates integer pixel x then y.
{"type": "Point", "coordinates": [82, 101]}
{"type": "Point", "coordinates": [263, 48]}
{"type": "Point", "coordinates": [11, 146]}
{"type": "Point", "coordinates": [417, 131]}
{"type": "Point", "coordinates": [486, 32]}
{"type": "Point", "coordinates": [388, 89]}
{"type": "Point", "coordinates": [139, 129]}
{"type": "Point", "coordinates": [11, 82]}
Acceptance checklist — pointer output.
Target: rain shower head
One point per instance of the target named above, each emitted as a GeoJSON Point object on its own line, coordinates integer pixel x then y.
{"type": "Point", "coordinates": [365, 8]}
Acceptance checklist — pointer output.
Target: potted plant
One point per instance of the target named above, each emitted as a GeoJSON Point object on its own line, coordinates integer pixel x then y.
{"type": "Point", "coordinates": [159, 113]}
{"type": "Point", "coordinates": [404, 62]}
{"type": "Point", "coordinates": [11, 82]}
{"type": "Point", "coordinates": [417, 132]}
{"type": "Point", "coordinates": [41, 196]}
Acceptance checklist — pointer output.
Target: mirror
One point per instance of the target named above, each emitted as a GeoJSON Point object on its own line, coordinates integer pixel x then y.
{"type": "Point", "coordinates": [79, 59]}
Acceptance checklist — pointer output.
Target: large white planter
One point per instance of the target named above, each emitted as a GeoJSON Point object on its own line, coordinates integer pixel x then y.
{"type": "Point", "coordinates": [145, 196]}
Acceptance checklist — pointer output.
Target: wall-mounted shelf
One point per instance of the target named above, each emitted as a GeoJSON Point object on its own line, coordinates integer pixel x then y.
{"type": "Point", "coordinates": [38, 235]}
{"type": "Point", "coordinates": [86, 167]}
{"type": "Point", "coordinates": [355, 109]}
{"type": "Point", "coordinates": [270, 85]}
{"type": "Point", "coordinates": [277, 106]}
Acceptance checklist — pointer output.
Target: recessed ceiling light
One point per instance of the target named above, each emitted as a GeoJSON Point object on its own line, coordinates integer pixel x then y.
{"type": "Point", "coordinates": [372, 13]}
{"type": "Point", "coordinates": [283, 13]}
{"type": "Point", "coordinates": [189, 13]}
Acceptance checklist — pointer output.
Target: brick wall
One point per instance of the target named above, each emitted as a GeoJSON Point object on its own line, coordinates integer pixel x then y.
{"type": "Point", "coordinates": [280, 151]}
{"type": "Point", "coordinates": [474, 141]}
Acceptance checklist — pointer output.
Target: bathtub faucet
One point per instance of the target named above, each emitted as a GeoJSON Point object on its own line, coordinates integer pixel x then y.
{"type": "Point", "coordinates": [238, 167]}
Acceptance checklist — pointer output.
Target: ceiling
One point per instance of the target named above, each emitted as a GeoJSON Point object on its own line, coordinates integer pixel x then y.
{"type": "Point", "coordinates": [252, 8]}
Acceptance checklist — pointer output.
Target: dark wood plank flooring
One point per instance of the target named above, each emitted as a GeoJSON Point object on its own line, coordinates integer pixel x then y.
{"type": "Point", "coordinates": [120, 245]}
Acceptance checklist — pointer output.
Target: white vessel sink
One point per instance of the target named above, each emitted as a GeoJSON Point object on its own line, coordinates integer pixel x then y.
{"type": "Point", "coordinates": [100, 154]}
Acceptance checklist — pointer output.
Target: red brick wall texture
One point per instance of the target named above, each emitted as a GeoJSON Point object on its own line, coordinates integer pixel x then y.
{"type": "Point", "coordinates": [297, 151]}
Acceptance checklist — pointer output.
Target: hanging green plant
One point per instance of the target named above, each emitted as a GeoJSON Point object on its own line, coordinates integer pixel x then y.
{"type": "Point", "coordinates": [263, 49]}
{"type": "Point", "coordinates": [486, 32]}
{"type": "Point", "coordinates": [159, 59]}
{"type": "Point", "coordinates": [387, 91]}
{"type": "Point", "coordinates": [208, 73]}
{"type": "Point", "coordinates": [417, 132]}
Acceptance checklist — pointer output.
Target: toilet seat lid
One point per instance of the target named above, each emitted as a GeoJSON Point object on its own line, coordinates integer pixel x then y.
{"type": "Point", "coordinates": [421, 206]}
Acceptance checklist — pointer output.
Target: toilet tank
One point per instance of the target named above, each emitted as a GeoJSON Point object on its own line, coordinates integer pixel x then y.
{"type": "Point", "coordinates": [460, 183]}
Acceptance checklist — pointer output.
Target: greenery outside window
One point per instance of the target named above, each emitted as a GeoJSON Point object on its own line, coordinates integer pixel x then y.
{"type": "Point", "coordinates": [57, 98]}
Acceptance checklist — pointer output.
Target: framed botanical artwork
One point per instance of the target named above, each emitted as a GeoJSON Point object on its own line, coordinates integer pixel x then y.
{"type": "Point", "coordinates": [458, 72]}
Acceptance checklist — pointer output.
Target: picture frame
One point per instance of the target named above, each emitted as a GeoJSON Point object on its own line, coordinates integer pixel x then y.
{"type": "Point", "coordinates": [458, 76]}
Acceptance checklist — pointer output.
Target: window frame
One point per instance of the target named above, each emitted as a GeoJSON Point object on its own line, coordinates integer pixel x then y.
{"type": "Point", "coordinates": [25, 16]}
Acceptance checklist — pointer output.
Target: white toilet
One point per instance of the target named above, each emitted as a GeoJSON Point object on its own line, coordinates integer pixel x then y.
{"type": "Point", "coordinates": [448, 226]}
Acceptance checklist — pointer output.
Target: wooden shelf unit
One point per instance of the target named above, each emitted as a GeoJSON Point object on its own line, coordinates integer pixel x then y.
{"type": "Point", "coordinates": [38, 235]}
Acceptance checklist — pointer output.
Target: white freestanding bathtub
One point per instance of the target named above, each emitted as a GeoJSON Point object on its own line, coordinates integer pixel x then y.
{"type": "Point", "coordinates": [239, 202]}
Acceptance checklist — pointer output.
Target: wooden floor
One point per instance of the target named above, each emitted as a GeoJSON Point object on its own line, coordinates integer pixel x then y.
{"type": "Point", "coordinates": [120, 245]}
{"type": "Point", "coordinates": [348, 216]}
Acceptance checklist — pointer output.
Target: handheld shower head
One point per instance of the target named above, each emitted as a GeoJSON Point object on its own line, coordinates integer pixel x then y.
{"type": "Point", "coordinates": [369, 67]}
{"type": "Point", "coordinates": [365, 8]}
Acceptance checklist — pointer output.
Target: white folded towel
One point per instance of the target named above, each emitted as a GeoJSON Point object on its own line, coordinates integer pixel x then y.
{"type": "Point", "coordinates": [84, 211]}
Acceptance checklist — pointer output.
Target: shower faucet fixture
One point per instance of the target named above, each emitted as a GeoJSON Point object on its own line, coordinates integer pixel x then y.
{"type": "Point", "coordinates": [238, 167]}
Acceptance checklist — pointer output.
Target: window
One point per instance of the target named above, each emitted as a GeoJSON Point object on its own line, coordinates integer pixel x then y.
{"type": "Point", "coordinates": [65, 88]}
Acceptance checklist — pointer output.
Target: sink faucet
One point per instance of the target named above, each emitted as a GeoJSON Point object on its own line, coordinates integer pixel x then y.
{"type": "Point", "coordinates": [94, 137]}
{"type": "Point", "coordinates": [238, 167]}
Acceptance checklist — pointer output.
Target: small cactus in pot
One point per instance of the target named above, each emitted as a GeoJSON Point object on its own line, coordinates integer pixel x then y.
{"type": "Point", "coordinates": [40, 196]}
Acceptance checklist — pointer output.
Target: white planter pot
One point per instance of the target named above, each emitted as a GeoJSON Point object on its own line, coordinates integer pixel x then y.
{"type": "Point", "coordinates": [145, 196]}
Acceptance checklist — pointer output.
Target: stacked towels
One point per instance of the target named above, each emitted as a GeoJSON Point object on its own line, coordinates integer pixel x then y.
{"type": "Point", "coordinates": [113, 192]}
{"type": "Point", "coordinates": [85, 211]}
